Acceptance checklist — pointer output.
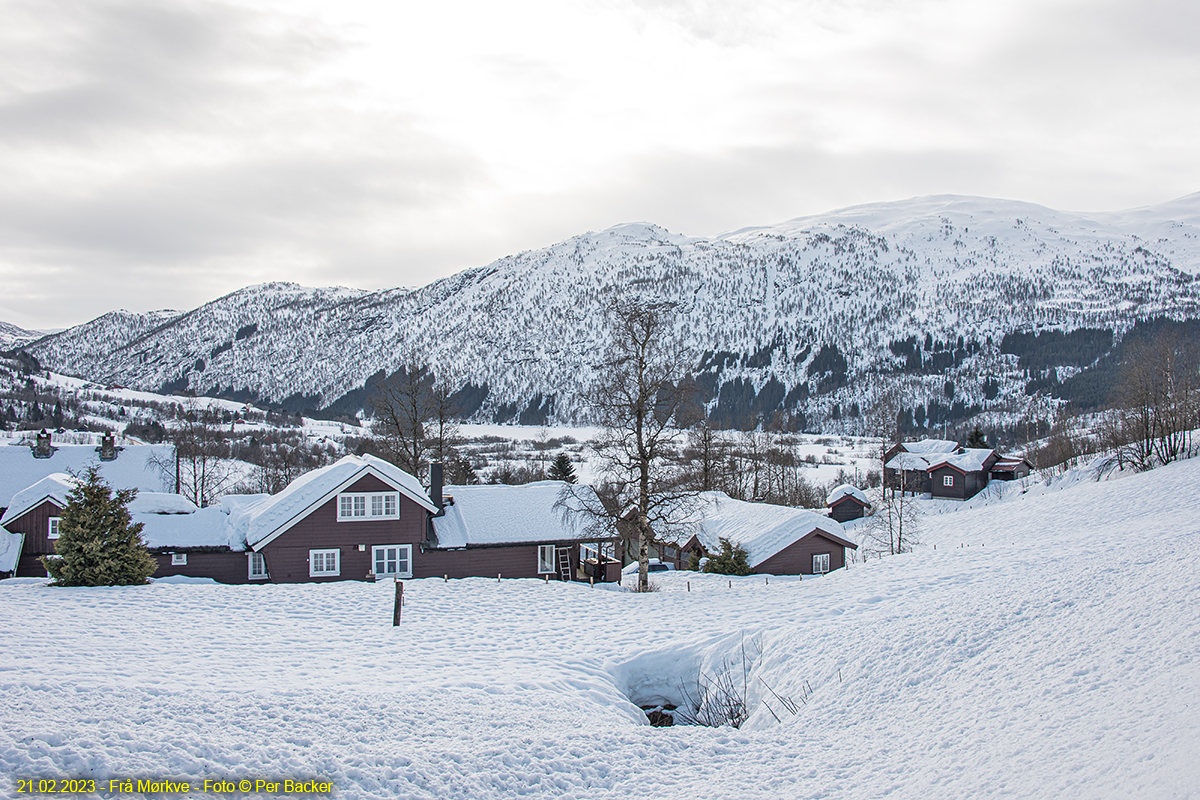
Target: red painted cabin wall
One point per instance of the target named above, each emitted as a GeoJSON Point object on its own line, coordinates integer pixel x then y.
{"type": "Point", "coordinates": [287, 556]}
{"type": "Point", "coordinates": [223, 567]}
{"type": "Point", "coordinates": [35, 524]}
{"type": "Point", "coordinates": [796, 558]}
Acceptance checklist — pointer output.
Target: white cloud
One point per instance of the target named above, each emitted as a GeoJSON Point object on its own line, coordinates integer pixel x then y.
{"type": "Point", "coordinates": [161, 153]}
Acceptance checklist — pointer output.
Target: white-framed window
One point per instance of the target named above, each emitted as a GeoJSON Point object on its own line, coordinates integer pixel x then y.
{"type": "Point", "coordinates": [392, 560]}
{"type": "Point", "coordinates": [947, 480]}
{"type": "Point", "coordinates": [821, 563]}
{"type": "Point", "coordinates": [178, 559]}
{"type": "Point", "coordinates": [52, 532]}
{"type": "Point", "coordinates": [545, 558]}
{"type": "Point", "coordinates": [257, 567]}
{"type": "Point", "coordinates": [363, 506]}
{"type": "Point", "coordinates": [323, 563]}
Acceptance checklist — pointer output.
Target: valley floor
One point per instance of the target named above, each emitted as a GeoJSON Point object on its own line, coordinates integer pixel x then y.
{"type": "Point", "coordinates": [1048, 647]}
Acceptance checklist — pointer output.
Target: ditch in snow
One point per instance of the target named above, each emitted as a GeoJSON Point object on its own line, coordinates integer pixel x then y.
{"type": "Point", "coordinates": [720, 685]}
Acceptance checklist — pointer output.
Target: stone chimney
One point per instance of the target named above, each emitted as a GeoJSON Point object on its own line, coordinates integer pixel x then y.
{"type": "Point", "coordinates": [108, 447]}
{"type": "Point", "coordinates": [43, 449]}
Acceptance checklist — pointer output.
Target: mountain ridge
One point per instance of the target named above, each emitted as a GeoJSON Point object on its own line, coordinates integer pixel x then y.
{"type": "Point", "coordinates": [949, 268]}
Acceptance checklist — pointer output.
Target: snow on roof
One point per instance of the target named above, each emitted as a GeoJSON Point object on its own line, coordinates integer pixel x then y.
{"type": "Point", "coordinates": [202, 527]}
{"type": "Point", "coordinates": [761, 528]}
{"type": "Point", "coordinates": [269, 516]}
{"type": "Point", "coordinates": [1009, 463]}
{"type": "Point", "coordinates": [970, 460]}
{"type": "Point", "coordinates": [161, 503]}
{"type": "Point", "coordinates": [10, 550]}
{"type": "Point", "coordinates": [931, 446]}
{"type": "Point", "coordinates": [908, 462]}
{"type": "Point", "coordinates": [131, 469]}
{"type": "Point", "coordinates": [55, 486]}
{"type": "Point", "coordinates": [844, 490]}
{"type": "Point", "coordinates": [500, 514]}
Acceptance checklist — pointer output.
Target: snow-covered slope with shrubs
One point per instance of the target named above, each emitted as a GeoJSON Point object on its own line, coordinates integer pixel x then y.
{"type": "Point", "coordinates": [758, 305]}
{"type": "Point", "coordinates": [1048, 647]}
{"type": "Point", "coordinates": [11, 336]}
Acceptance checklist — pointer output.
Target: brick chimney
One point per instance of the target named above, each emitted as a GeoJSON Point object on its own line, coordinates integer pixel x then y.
{"type": "Point", "coordinates": [43, 449]}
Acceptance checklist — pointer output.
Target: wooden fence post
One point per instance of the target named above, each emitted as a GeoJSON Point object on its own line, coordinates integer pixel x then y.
{"type": "Point", "coordinates": [399, 602]}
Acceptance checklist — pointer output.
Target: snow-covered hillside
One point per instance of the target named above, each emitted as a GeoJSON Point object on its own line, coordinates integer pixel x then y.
{"type": "Point", "coordinates": [11, 336]}
{"type": "Point", "coordinates": [1048, 647]}
{"type": "Point", "coordinates": [760, 306]}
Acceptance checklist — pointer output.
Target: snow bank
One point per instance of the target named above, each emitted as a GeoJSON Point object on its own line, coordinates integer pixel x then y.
{"type": "Point", "coordinates": [1053, 654]}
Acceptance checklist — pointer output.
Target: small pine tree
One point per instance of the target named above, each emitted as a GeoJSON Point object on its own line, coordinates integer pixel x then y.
{"type": "Point", "coordinates": [562, 469]}
{"type": "Point", "coordinates": [976, 438]}
{"type": "Point", "coordinates": [733, 560]}
{"type": "Point", "coordinates": [98, 543]}
{"type": "Point", "coordinates": [694, 561]}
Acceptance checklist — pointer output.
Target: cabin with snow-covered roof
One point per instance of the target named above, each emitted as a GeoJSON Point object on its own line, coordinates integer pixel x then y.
{"type": "Point", "coordinates": [1011, 468]}
{"type": "Point", "coordinates": [535, 530]}
{"type": "Point", "coordinates": [32, 517]}
{"type": "Point", "coordinates": [360, 518]}
{"type": "Point", "coordinates": [906, 464]}
{"type": "Point", "coordinates": [962, 475]}
{"type": "Point", "coordinates": [847, 502]}
{"type": "Point", "coordinates": [779, 540]}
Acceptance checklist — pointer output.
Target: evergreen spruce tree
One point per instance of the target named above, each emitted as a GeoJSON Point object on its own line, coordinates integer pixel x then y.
{"type": "Point", "coordinates": [976, 438]}
{"type": "Point", "coordinates": [732, 560]}
{"type": "Point", "coordinates": [562, 469]}
{"type": "Point", "coordinates": [98, 543]}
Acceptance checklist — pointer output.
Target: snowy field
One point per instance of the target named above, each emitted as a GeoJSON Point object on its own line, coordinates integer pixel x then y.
{"type": "Point", "coordinates": [1048, 647]}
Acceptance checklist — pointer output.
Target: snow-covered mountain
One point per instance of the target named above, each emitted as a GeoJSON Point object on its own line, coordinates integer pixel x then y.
{"type": "Point", "coordinates": [12, 337]}
{"type": "Point", "coordinates": [799, 314]}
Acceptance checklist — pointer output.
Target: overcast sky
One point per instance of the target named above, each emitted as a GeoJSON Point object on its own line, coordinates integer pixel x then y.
{"type": "Point", "coordinates": [161, 153]}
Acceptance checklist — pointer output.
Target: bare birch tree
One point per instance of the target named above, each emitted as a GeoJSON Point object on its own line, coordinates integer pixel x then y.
{"type": "Point", "coordinates": [199, 466]}
{"type": "Point", "coordinates": [642, 385]}
{"type": "Point", "coordinates": [403, 406]}
{"type": "Point", "coordinates": [1157, 402]}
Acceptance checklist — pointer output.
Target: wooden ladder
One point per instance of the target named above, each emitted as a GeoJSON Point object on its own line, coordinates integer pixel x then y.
{"type": "Point", "coordinates": [564, 563]}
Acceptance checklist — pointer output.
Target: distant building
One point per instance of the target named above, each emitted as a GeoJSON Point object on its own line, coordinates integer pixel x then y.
{"type": "Point", "coordinates": [847, 502]}
{"type": "Point", "coordinates": [963, 474]}
{"type": "Point", "coordinates": [779, 540]}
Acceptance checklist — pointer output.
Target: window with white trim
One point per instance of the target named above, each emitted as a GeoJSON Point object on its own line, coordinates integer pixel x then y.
{"type": "Point", "coordinates": [821, 563]}
{"type": "Point", "coordinates": [52, 532]}
{"type": "Point", "coordinates": [324, 563]}
{"type": "Point", "coordinates": [363, 506]}
{"type": "Point", "coordinates": [392, 560]}
{"type": "Point", "coordinates": [947, 480]}
{"type": "Point", "coordinates": [545, 558]}
{"type": "Point", "coordinates": [178, 559]}
{"type": "Point", "coordinates": [257, 567]}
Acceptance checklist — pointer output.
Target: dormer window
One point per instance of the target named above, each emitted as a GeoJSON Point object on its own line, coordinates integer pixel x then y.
{"type": "Point", "coordinates": [364, 506]}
